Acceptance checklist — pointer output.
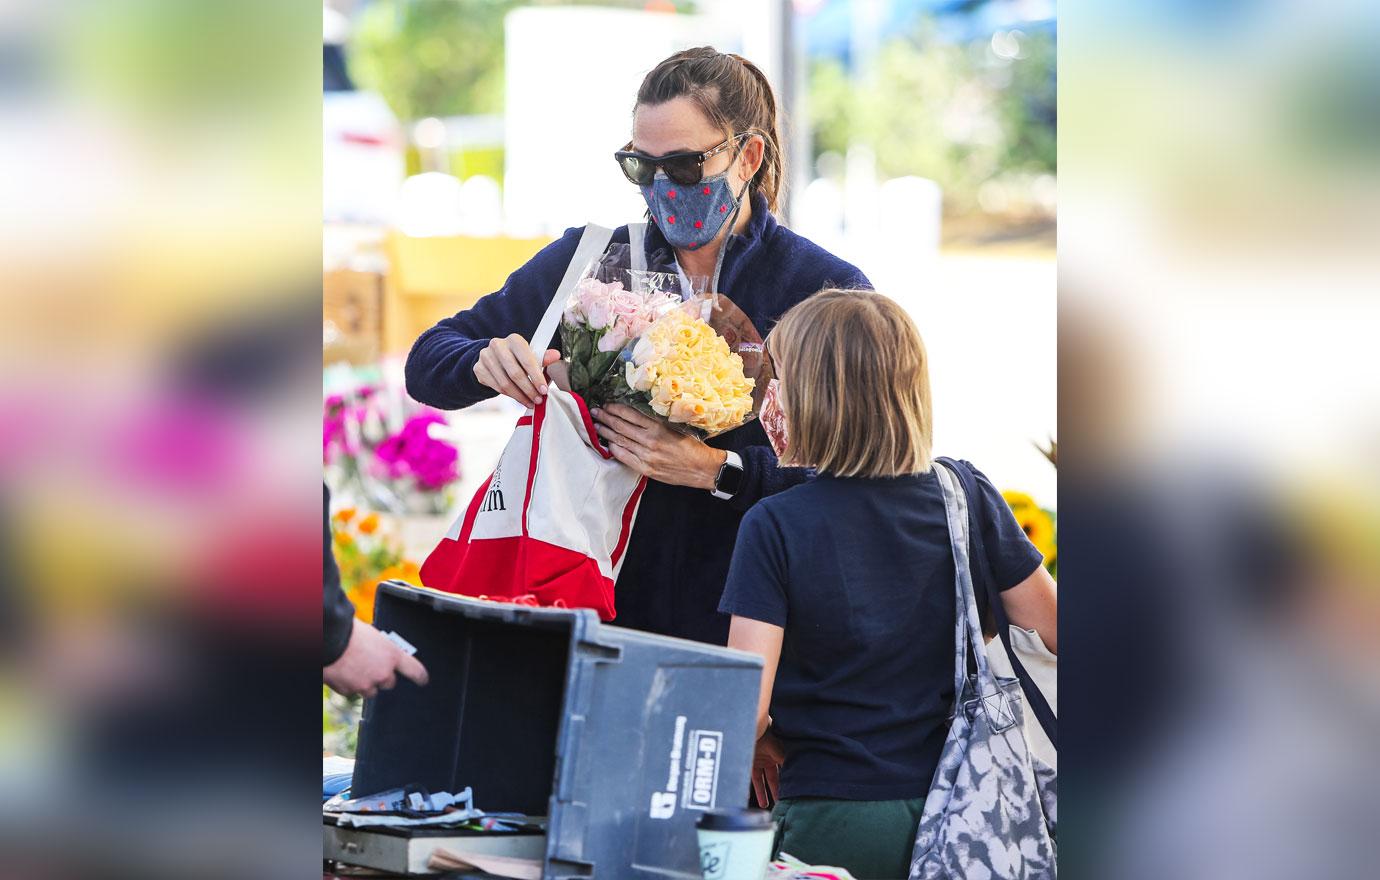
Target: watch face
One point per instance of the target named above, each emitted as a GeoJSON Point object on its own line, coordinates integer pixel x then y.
{"type": "Point", "coordinates": [730, 479]}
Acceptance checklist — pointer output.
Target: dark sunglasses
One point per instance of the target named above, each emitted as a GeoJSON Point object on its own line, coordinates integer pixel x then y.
{"type": "Point", "coordinates": [686, 169]}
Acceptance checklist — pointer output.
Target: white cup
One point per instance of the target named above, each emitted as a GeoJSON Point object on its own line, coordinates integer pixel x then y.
{"type": "Point", "coordinates": [735, 844]}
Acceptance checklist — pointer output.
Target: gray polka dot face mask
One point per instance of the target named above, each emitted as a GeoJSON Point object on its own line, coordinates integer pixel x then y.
{"type": "Point", "coordinates": [691, 216]}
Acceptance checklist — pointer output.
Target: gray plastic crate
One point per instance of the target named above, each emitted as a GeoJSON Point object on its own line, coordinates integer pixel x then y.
{"type": "Point", "coordinates": [620, 738]}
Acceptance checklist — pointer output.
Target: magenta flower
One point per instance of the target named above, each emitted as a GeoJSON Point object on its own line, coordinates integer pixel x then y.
{"type": "Point", "coordinates": [414, 452]}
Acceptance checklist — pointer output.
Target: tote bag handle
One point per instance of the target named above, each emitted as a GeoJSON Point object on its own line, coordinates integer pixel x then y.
{"type": "Point", "coordinates": [979, 565]}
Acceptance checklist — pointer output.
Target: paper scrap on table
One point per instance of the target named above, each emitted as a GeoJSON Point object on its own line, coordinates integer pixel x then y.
{"type": "Point", "coordinates": [376, 820]}
{"type": "Point", "coordinates": [500, 866]}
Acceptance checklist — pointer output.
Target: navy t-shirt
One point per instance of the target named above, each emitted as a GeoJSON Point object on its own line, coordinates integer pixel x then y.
{"type": "Point", "coordinates": [860, 574]}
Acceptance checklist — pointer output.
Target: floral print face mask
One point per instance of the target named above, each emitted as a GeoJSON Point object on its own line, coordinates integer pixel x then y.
{"type": "Point", "coordinates": [773, 418]}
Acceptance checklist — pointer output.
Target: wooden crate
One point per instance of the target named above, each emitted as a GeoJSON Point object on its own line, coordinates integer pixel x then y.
{"type": "Point", "coordinates": [351, 316]}
{"type": "Point", "coordinates": [433, 278]}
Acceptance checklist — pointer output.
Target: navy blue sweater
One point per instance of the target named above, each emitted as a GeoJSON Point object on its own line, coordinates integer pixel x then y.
{"type": "Point", "coordinates": [677, 558]}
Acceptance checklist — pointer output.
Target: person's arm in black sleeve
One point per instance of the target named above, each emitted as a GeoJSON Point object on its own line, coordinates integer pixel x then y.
{"type": "Point", "coordinates": [763, 476]}
{"type": "Point", "coordinates": [337, 610]}
{"type": "Point", "coordinates": [440, 367]}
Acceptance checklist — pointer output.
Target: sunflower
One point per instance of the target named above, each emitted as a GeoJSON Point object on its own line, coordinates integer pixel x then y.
{"type": "Point", "coordinates": [1037, 524]}
{"type": "Point", "coordinates": [1016, 500]}
{"type": "Point", "coordinates": [1039, 528]}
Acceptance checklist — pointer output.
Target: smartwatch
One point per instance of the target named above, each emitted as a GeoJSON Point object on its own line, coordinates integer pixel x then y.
{"type": "Point", "coordinates": [729, 482]}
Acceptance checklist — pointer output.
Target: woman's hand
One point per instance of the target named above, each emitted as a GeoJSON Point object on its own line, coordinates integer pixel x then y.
{"type": "Point", "coordinates": [766, 769]}
{"type": "Point", "coordinates": [510, 367]}
{"type": "Point", "coordinates": [654, 450]}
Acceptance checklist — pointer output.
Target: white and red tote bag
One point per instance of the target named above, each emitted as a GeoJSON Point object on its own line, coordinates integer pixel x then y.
{"type": "Point", "coordinates": [552, 522]}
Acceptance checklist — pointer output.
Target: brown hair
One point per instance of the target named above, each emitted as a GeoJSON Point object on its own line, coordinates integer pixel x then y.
{"type": "Point", "coordinates": [735, 96]}
{"type": "Point", "coordinates": [855, 386]}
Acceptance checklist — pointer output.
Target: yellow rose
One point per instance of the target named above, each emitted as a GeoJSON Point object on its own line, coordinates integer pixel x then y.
{"type": "Point", "coordinates": [687, 409]}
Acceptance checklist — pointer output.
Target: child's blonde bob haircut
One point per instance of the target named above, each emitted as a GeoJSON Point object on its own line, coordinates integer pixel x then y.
{"type": "Point", "coordinates": [854, 386]}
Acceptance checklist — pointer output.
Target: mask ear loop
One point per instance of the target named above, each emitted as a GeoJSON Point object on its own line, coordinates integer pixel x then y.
{"type": "Point", "coordinates": [732, 221]}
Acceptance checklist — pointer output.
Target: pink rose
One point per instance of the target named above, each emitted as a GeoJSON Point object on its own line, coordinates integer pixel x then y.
{"type": "Point", "coordinates": [640, 324]}
{"type": "Point", "coordinates": [597, 313]}
{"type": "Point", "coordinates": [625, 304]}
{"type": "Point", "coordinates": [614, 339]}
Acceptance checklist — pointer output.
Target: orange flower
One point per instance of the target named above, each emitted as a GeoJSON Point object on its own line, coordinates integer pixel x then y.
{"type": "Point", "coordinates": [344, 514]}
{"type": "Point", "coordinates": [403, 571]}
{"type": "Point", "coordinates": [369, 524]}
{"type": "Point", "coordinates": [343, 539]}
{"type": "Point", "coordinates": [363, 598]}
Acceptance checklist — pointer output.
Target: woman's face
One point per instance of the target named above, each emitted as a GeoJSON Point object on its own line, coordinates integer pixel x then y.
{"type": "Point", "coordinates": [678, 126]}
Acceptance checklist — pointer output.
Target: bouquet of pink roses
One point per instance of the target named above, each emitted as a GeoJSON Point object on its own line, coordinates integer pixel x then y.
{"type": "Point", "coordinates": [602, 318]}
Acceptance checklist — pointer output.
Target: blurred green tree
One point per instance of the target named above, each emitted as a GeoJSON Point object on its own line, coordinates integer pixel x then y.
{"type": "Point", "coordinates": [432, 57]}
{"type": "Point", "coordinates": [445, 57]}
{"type": "Point", "coordinates": [959, 114]}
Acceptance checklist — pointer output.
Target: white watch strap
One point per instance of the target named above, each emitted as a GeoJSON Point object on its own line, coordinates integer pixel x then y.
{"type": "Point", "coordinates": [731, 459]}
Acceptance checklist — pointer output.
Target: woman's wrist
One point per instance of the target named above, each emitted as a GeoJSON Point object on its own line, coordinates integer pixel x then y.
{"type": "Point", "coordinates": [714, 462]}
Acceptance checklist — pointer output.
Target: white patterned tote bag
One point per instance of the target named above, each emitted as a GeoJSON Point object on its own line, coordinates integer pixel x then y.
{"type": "Point", "coordinates": [990, 812]}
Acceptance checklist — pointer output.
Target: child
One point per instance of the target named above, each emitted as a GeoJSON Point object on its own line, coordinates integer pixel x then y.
{"type": "Point", "coordinates": [845, 585]}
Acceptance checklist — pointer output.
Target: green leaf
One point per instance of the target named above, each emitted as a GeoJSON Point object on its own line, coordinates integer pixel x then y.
{"type": "Point", "coordinates": [601, 362]}
{"type": "Point", "coordinates": [582, 348]}
{"type": "Point", "coordinates": [579, 376]}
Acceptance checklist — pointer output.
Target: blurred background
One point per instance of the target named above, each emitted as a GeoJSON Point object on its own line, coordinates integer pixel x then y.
{"type": "Point", "coordinates": [161, 233]}
{"type": "Point", "coordinates": [461, 136]}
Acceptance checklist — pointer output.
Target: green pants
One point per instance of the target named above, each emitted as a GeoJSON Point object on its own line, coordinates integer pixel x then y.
{"type": "Point", "coordinates": [871, 839]}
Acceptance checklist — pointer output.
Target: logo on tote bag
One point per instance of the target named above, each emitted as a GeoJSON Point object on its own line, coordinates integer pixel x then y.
{"type": "Point", "coordinates": [493, 500]}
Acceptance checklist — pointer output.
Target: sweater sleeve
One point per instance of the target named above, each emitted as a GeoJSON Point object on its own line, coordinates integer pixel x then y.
{"type": "Point", "coordinates": [440, 367]}
{"type": "Point", "coordinates": [763, 476]}
{"type": "Point", "coordinates": [337, 611]}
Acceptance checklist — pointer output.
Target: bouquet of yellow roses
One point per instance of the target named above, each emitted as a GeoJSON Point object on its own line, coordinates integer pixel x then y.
{"type": "Point", "coordinates": [695, 368]}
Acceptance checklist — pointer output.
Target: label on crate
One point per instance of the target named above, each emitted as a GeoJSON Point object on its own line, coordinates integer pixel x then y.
{"type": "Point", "coordinates": [664, 802]}
{"type": "Point", "coordinates": [692, 777]}
{"type": "Point", "coordinates": [701, 788]}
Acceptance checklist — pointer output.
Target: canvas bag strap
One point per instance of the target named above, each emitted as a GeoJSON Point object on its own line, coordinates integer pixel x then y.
{"type": "Point", "coordinates": [968, 628]}
{"type": "Point", "coordinates": [1034, 697]}
{"type": "Point", "coordinates": [593, 241]}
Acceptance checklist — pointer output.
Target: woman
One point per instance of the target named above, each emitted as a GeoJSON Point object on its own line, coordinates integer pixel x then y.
{"type": "Point", "coordinates": [845, 586]}
{"type": "Point", "coordinates": [706, 153]}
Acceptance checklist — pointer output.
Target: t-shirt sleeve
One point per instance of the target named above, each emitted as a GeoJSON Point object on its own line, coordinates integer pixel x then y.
{"type": "Point", "coordinates": [756, 585]}
{"type": "Point", "coordinates": [1011, 557]}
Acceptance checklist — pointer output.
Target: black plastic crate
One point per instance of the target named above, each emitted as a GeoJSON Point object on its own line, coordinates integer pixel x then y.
{"type": "Point", "coordinates": [619, 738]}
